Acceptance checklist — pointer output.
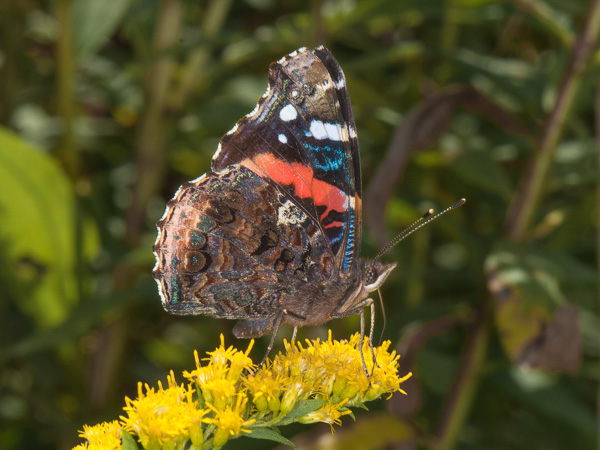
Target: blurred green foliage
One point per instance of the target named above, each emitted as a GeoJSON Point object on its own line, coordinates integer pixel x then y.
{"type": "Point", "coordinates": [107, 107]}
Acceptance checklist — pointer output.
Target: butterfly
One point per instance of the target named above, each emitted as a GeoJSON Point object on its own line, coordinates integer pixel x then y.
{"type": "Point", "coordinates": [272, 235]}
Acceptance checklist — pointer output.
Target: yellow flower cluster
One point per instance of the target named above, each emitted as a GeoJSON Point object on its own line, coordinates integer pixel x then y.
{"type": "Point", "coordinates": [226, 397]}
{"type": "Point", "coordinates": [165, 416]}
{"type": "Point", "coordinates": [104, 436]}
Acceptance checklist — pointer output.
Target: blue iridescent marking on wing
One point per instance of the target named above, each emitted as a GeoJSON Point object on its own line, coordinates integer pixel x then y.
{"type": "Point", "coordinates": [350, 241]}
{"type": "Point", "coordinates": [323, 159]}
{"type": "Point", "coordinates": [336, 239]}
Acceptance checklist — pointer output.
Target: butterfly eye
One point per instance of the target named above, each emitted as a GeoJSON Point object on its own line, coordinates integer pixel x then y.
{"type": "Point", "coordinates": [375, 273]}
{"type": "Point", "coordinates": [370, 276]}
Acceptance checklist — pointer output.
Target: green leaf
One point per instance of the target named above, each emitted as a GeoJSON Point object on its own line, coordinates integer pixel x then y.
{"type": "Point", "coordinates": [128, 441]}
{"type": "Point", "coordinates": [536, 326]}
{"type": "Point", "coordinates": [82, 318]}
{"type": "Point", "coordinates": [37, 237]}
{"type": "Point", "coordinates": [94, 22]}
{"type": "Point", "coordinates": [528, 270]}
{"type": "Point", "coordinates": [269, 434]}
{"type": "Point", "coordinates": [304, 407]}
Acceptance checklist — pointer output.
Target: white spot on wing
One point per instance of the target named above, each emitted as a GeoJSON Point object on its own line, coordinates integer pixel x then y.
{"type": "Point", "coordinates": [159, 282]}
{"type": "Point", "coordinates": [288, 113]}
{"type": "Point", "coordinates": [254, 113]}
{"type": "Point", "coordinates": [340, 84]}
{"type": "Point", "coordinates": [290, 214]}
{"type": "Point", "coordinates": [163, 295]}
{"type": "Point", "coordinates": [267, 91]}
{"type": "Point", "coordinates": [352, 201]}
{"type": "Point", "coordinates": [317, 128]}
{"type": "Point", "coordinates": [325, 85]}
{"type": "Point", "coordinates": [352, 132]}
{"type": "Point", "coordinates": [334, 131]}
{"type": "Point", "coordinates": [233, 130]}
{"type": "Point", "coordinates": [217, 155]}
{"type": "Point", "coordinates": [325, 130]}
{"type": "Point", "coordinates": [282, 138]}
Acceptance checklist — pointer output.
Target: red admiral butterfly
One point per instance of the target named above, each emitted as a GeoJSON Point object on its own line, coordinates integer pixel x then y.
{"type": "Point", "coordinates": [272, 236]}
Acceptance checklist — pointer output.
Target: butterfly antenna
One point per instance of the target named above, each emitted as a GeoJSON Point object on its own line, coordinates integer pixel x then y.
{"type": "Point", "coordinates": [424, 220]}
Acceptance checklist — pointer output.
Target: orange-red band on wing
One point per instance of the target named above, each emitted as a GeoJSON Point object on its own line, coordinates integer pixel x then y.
{"type": "Point", "coordinates": [303, 180]}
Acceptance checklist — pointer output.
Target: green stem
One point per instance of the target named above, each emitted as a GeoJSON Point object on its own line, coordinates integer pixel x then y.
{"type": "Point", "coordinates": [449, 36]}
{"type": "Point", "coordinates": [154, 126]}
{"type": "Point", "coordinates": [192, 77]}
{"type": "Point", "coordinates": [460, 399]}
{"type": "Point", "coordinates": [66, 106]}
{"type": "Point", "coordinates": [524, 206]}
{"type": "Point", "coordinates": [68, 151]}
{"type": "Point", "coordinates": [547, 16]}
{"type": "Point", "coordinates": [598, 246]}
{"type": "Point", "coordinates": [449, 26]}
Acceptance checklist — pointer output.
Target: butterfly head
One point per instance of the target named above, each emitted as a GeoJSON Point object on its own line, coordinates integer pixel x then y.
{"type": "Point", "coordinates": [374, 273]}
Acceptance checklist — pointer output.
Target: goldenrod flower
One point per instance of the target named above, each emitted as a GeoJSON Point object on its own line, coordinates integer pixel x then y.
{"type": "Point", "coordinates": [383, 380]}
{"type": "Point", "coordinates": [224, 399]}
{"type": "Point", "coordinates": [229, 421]}
{"type": "Point", "coordinates": [163, 417]}
{"type": "Point", "coordinates": [329, 413]}
{"type": "Point", "coordinates": [231, 359]}
{"type": "Point", "coordinates": [265, 389]}
{"type": "Point", "coordinates": [105, 436]}
{"type": "Point", "coordinates": [219, 392]}
{"type": "Point", "coordinates": [296, 391]}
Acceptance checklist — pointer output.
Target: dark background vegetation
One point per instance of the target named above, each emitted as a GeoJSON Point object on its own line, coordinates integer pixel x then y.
{"type": "Point", "coordinates": [107, 107]}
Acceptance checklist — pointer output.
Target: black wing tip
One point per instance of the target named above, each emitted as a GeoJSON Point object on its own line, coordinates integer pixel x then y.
{"type": "Point", "coordinates": [322, 50]}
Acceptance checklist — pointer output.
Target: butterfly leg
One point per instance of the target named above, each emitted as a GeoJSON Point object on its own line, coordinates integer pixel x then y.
{"type": "Point", "coordinates": [359, 309]}
{"type": "Point", "coordinates": [361, 342]}
{"type": "Point", "coordinates": [362, 332]}
{"type": "Point", "coordinates": [294, 334]}
{"type": "Point", "coordinates": [276, 325]}
{"type": "Point", "coordinates": [372, 305]}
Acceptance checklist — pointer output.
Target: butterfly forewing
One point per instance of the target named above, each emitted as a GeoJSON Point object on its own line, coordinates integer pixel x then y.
{"type": "Point", "coordinates": [301, 137]}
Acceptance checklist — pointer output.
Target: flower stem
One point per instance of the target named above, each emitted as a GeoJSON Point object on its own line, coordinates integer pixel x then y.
{"type": "Point", "coordinates": [525, 203]}
{"type": "Point", "coordinates": [154, 128]}
{"type": "Point", "coordinates": [460, 399]}
{"type": "Point", "coordinates": [66, 107]}
{"type": "Point", "coordinates": [545, 15]}
{"type": "Point", "coordinates": [598, 246]}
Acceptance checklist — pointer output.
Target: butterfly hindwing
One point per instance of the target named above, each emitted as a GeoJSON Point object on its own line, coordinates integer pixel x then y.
{"type": "Point", "coordinates": [231, 245]}
{"type": "Point", "coordinates": [301, 138]}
